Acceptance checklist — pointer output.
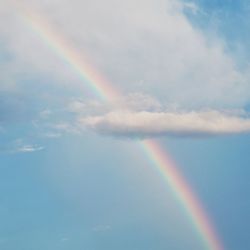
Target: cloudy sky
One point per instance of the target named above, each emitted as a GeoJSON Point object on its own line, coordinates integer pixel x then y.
{"type": "Point", "coordinates": [71, 173]}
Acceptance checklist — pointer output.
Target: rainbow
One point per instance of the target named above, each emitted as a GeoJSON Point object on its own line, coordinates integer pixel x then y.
{"type": "Point", "coordinates": [55, 42]}
{"type": "Point", "coordinates": [183, 193]}
{"type": "Point", "coordinates": [152, 150]}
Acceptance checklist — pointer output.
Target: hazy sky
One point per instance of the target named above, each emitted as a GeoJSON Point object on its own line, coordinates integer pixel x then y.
{"type": "Point", "coordinates": [71, 175]}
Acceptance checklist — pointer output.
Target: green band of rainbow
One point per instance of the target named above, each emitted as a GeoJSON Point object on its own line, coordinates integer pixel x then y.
{"type": "Point", "coordinates": [152, 150]}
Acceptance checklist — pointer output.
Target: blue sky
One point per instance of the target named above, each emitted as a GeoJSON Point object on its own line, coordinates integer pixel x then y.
{"type": "Point", "coordinates": [71, 176]}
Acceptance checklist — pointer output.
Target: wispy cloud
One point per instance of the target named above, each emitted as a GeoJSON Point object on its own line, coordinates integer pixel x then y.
{"type": "Point", "coordinates": [20, 146]}
{"type": "Point", "coordinates": [28, 149]}
{"type": "Point", "coordinates": [150, 124]}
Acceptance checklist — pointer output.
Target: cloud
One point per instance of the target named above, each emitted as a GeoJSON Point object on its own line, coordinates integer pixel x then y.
{"type": "Point", "coordinates": [10, 149]}
{"type": "Point", "coordinates": [145, 45]}
{"type": "Point", "coordinates": [20, 146]}
{"type": "Point", "coordinates": [151, 124]}
{"type": "Point", "coordinates": [133, 101]}
{"type": "Point", "coordinates": [137, 102]}
{"type": "Point", "coordinates": [29, 148]}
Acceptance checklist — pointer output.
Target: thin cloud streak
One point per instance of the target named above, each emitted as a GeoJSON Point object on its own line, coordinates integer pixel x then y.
{"type": "Point", "coordinates": [29, 148]}
{"type": "Point", "coordinates": [22, 149]}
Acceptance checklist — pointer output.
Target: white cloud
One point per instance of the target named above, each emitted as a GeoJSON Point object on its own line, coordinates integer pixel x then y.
{"type": "Point", "coordinates": [150, 124]}
{"type": "Point", "coordinates": [144, 45]}
{"type": "Point", "coordinates": [80, 106]}
{"type": "Point", "coordinates": [13, 148]}
{"type": "Point", "coordinates": [137, 102]}
{"type": "Point", "coordinates": [134, 101]}
{"type": "Point", "coordinates": [21, 146]}
{"type": "Point", "coordinates": [29, 148]}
